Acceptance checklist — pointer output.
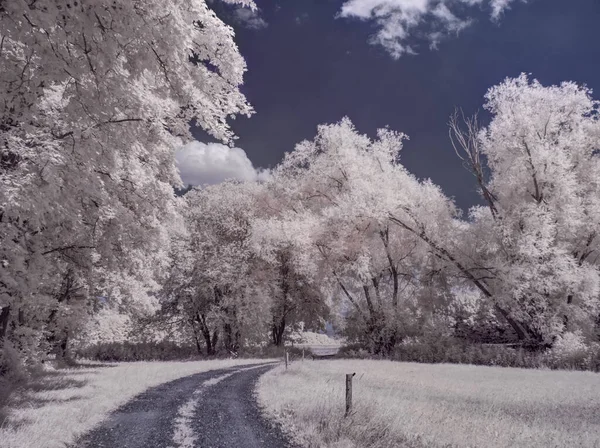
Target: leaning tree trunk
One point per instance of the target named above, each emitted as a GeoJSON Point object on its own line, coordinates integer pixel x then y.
{"type": "Point", "coordinates": [522, 330]}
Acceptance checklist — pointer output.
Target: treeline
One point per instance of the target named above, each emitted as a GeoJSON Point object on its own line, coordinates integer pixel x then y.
{"type": "Point", "coordinates": [343, 232]}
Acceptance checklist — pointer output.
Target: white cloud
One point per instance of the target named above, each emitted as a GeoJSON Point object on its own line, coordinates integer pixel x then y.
{"type": "Point", "coordinates": [244, 3]}
{"type": "Point", "coordinates": [249, 18]}
{"type": "Point", "coordinates": [300, 19]}
{"type": "Point", "coordinates": [498, 7]}
{"type": "Point", "coordinates": [212, 163]}
{"type": "Point", "coordinates": [397, 20]}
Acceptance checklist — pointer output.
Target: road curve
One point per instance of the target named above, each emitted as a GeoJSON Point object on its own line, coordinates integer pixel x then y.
{"type": "Point", "coordinates": [215, 409]}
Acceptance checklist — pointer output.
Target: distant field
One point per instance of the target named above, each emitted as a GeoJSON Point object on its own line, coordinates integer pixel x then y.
{"type": "Point", "coordinates": [423, 405]}
{"type": "Point", "coordinates": [316, 343]}
{"type": "Point", "coordinates": [319, 350]}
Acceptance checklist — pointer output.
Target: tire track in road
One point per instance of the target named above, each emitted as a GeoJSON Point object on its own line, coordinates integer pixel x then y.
{"type": "Point", "coordinates": [229, 417]}
{"type": "Point", "coordinates": [183, 434]}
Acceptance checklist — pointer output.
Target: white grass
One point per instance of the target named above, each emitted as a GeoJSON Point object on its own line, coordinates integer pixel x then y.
{"type": "Point", "coordinates": [421, 405]}
{"type": "Point", "coordinates": [183, 435]}
{"type": "Point", "coordinates": [55, 418]}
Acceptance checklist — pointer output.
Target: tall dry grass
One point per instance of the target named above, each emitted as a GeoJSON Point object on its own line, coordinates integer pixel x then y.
{"type": "Point", "coordinates": [423, 405]}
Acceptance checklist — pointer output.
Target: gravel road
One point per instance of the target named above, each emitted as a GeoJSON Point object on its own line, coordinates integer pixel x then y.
{"type": "Point", "coordinates": [224, 415]}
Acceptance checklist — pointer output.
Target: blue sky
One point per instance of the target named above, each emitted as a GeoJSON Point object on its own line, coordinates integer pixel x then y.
{"type": "Point", "coordinates": [309, 66]}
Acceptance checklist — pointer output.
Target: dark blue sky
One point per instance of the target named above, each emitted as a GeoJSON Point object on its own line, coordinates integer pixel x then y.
{"type": "Point", "coordinates": [307, 67]}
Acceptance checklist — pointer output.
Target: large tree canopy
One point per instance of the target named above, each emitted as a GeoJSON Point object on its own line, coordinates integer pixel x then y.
{"type": "Point", "coordinates": [95, 96]}
{"type": "Point", "coordinates": [535, 242]}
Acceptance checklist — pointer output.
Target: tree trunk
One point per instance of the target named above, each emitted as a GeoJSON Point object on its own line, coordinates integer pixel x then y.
{"type": "Point", "coordinates": [197, 341]}
{"type": "Point", "coordinates": [210, 350]}
{"type": "Point", "coordinates": [196, 338]}
{"type": "Point", "coordinates": [385, 237]}
{"type": "Point", "coordinates": [4, 319]}
{"type": "Point", "coordinates": [232, 338]}
{"type": "Point", "coordinates": [382, 340]}
{"type": "Point", "coordinates": [58, 337]}
{"type": "Point", "coordinates": [281, 311]}
{"type": "Point", "coordinates": [369, 302]}
{"type": "Point", "coordinates": [215, 339]}
{"type": "Point", "coordinates": [277, 331]}
{"type": "Point", "coordinates": [231, 330]}
{"type": "Point", "coordinates": [63, 347]}
{"type": "Point", "coordinates": [237, 340]}
{"type": "Point", "coordinates": [211, 341]}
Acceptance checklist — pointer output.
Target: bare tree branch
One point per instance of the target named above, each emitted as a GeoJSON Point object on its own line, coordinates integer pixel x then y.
{"type": "Point", "coordinates": [465, 140]}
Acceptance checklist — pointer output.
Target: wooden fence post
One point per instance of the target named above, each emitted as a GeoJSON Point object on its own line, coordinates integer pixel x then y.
{"type": "Point", "coordinates": [287, 359]}
{"type": "Point", "coordinates": [349, 393]}
{"type": "Point", "coordinates": [302, 355]}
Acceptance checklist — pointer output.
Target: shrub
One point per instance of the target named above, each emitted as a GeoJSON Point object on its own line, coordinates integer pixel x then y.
{"type": "Point", "coordinates": [570, 351]}
{"type": "Point", "coordinates": [143, 351]}
{"type": "Point", "coordinates": [458, 351]}
{"type": "Point", "coordinates": [262, 351]}
{"type": "Point", "coordinates": [356, 351]}
{"type": "Point", "coordinates": [271, 351]}
{"type": "Point", "coordinates": [431, 350]}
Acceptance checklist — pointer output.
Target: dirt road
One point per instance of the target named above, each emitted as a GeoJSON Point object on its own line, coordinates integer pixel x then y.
{"type": "Point", "coordinates": [214, 409]}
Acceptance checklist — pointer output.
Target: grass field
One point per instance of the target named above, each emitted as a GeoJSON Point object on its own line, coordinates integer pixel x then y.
{"type": "Point", "coordinates": [424, 405]}
{"type": "Point", "coordinates": [67, 403]}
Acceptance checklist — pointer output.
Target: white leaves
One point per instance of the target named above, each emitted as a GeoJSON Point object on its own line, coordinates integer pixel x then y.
{"type": "Point", "coordinates": [569, 344]}
{"type": "Point", "coordinates": [541, 151]}
{"type": "Point", "coordinates": [536, 258]}
{"type": "Point", "coordinates": [97, 97]}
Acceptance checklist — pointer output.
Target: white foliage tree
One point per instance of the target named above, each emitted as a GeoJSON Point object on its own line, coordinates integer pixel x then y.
{"type": "Point", "coordinates": [285, 265]}
{"type": "Point", "coordinates": [94, 97]}
{"type": "Point", "coordinates": [536, 239]}
{"type": "Point", "coordinates": [211, 282]}
{"type": "Point", "coordinates": [343, 189]}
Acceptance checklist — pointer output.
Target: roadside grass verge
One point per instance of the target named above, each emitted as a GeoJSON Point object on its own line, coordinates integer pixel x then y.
{"type": "Point", "coordinates": [423, 405]}
{"type": "Point", "coordinates": [64, 404]}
